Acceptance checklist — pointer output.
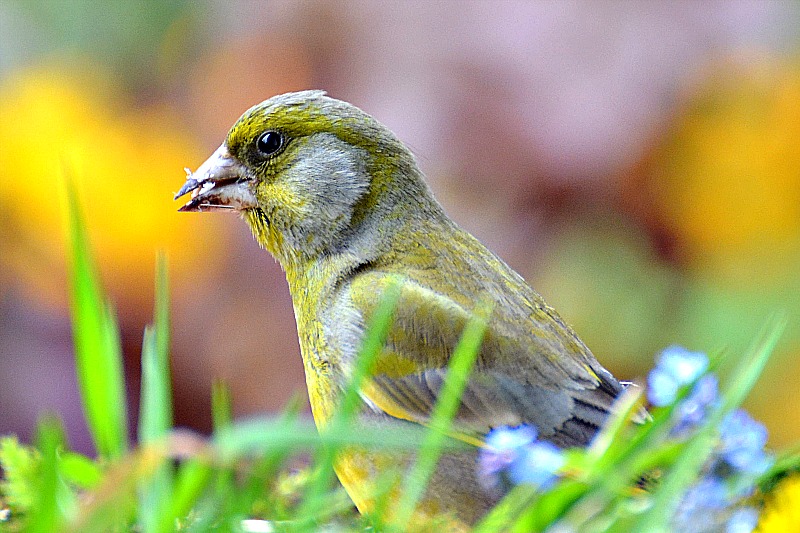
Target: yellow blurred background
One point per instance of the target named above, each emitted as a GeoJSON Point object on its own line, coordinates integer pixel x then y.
{"type": "Point", "coordinates": [638, 163]}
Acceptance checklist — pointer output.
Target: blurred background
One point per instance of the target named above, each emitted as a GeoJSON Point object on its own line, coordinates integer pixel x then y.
{"type": "Point", "coordinates": [637, 162]}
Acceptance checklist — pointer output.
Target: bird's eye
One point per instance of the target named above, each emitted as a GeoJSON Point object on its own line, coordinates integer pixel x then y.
{"type": "Point", "coordinates": [269, 142]}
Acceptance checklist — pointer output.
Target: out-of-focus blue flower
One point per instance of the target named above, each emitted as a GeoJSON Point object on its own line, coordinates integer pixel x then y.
{"type": "Point", "coordinates": [514, 455]}
{"type": "Point", "coordinates": [675, 368]}
{"type": "Point", "coordinates": [742, 441]}
{"type": "Point", "coordinates": [684, 365]}
{"type": "Point", "coordinates": [538, 465]}
{"type": "Point", "coordinates": [709, 493]}
{"type": "Point", "coordinates": [504, 446]}
{"type": "Point", "coordinates": [693, 409]}
{"type": "Point", "coordinates": [709, 506]}
{"type": "Point", "coordinates": [508, 438]}
{"type": "Point", "coordinates": [662, 389]}
{"type": "Point", "coordinates": [701, 506]}
{"type": "Point", "coordinates": [715, 502]}
{"type": "Point", "coordinates": [743, 520]}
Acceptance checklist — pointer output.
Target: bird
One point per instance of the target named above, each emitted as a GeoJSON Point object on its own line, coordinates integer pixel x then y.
{"type": "Point", "coordinates": [344, 208]}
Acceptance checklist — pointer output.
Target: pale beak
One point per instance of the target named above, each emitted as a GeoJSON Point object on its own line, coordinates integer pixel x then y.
{"type": "Point", "coordinates": [221, 182]}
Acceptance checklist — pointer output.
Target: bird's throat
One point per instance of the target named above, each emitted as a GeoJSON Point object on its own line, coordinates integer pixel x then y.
{"type": "Point", "coordinates": [265, 234]}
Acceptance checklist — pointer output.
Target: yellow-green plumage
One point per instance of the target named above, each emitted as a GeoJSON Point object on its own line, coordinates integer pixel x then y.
{"type": "Point", "coordinates": [342, 205]}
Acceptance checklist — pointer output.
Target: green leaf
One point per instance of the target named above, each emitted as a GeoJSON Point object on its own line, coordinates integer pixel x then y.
{"type": "Point", "coordinates": [79, 470]}
{"type": "Point", "coordinates": [98, 355]}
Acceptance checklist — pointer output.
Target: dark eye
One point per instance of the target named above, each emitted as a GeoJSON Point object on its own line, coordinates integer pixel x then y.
{"type": "Point", "coordinates": [269, 142]}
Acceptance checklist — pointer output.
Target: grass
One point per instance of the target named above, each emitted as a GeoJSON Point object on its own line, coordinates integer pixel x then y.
{"type": "Point", "coordinates": [176, 480]}
{"type": "Point", "coordinates": [98, 353]}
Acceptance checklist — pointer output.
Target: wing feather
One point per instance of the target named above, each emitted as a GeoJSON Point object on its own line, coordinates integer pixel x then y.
{"type": "Point", "coordinates": [566, 395]}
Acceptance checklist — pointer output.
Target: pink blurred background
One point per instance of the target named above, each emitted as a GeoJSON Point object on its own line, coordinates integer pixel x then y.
{"type": "Point", "coordinates": [637, 162]}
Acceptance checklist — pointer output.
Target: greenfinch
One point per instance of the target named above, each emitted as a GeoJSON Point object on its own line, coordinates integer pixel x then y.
{"type": "Point", "coordinates": [340, 202]}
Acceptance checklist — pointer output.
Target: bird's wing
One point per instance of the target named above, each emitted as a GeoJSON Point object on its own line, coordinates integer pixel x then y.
{"type": "Point", "coordinates": [515, 380]}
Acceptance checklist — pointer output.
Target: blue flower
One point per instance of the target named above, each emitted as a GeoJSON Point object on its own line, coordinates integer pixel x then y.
{"type": "Point", "coordinates": [711, 506]}
{"type": "Point", "coordinates": [743, 520]}
{"type": "Point", "coordinates": [742, 441]}
{"type": "Point", "coordinates": [694, 408]}
{"type": "Point", "coordinates": [508, 438]}
{"type": "Point", "coordinates": [708, 493]}
{"type": "Point", "coordinates": [514, 456]}
{"type": "Point", "coordinates": [701, 506]}
{"type": "Point", "coordinates": [662, 389]}
{"type": "Point", "coordinates": [676, 367]}
{"type": "Point", "coordinates": [538, 465]}
{"type": "Point", "coordinates": [684, 365]}
{"type": "Point", "coordinates": [504, 446]}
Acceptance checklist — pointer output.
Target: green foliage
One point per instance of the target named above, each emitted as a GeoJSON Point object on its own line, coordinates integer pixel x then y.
{"type": "Point", "coordinates": [98, 353]}
{"type": "Point", "coordinates": [21, 466]}
{"type": "Point", "coordinates": [281, 469]}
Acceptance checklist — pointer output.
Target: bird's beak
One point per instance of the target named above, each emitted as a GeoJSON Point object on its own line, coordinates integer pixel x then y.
{"type": "Point", "coordinates": [220, 183]}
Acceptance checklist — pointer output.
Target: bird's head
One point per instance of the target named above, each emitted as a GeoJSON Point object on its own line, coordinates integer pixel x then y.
{"type": "Point", "coordinates": [311, 175]}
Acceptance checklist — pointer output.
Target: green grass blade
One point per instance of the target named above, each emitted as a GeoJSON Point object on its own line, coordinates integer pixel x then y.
{"type": "Point", "coordinates": [98, 355]}
{"type": "Point", "coordinates": [46, 515]}
{"type": "Point", "coordinates": [258, 436]}
{"type": "Point", "coordinates": [155, 414]}
{"type": "Point", "coordinates": [154, 491]}
{"type": "Point", "coordinates": [224, 486]}
{"type": "Point", "coordinates": [373, 343]}
{"type": "Point", "coordinates": [507, 510]}
{"type": "Point", "coordinates": [547, 507]}
{"type": "Point", "coordinates": [458, 372]}
{"type": "Point", "coordinates": [265, 467]}
{"type": "Point", "coordinates": [190, 483]}
{"type": "Point", "coordinates": [611, 434]}
{"type": "Point", "coordinates": [221, 406]}
{"type": "Point", "coordinates": [751, 366]}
